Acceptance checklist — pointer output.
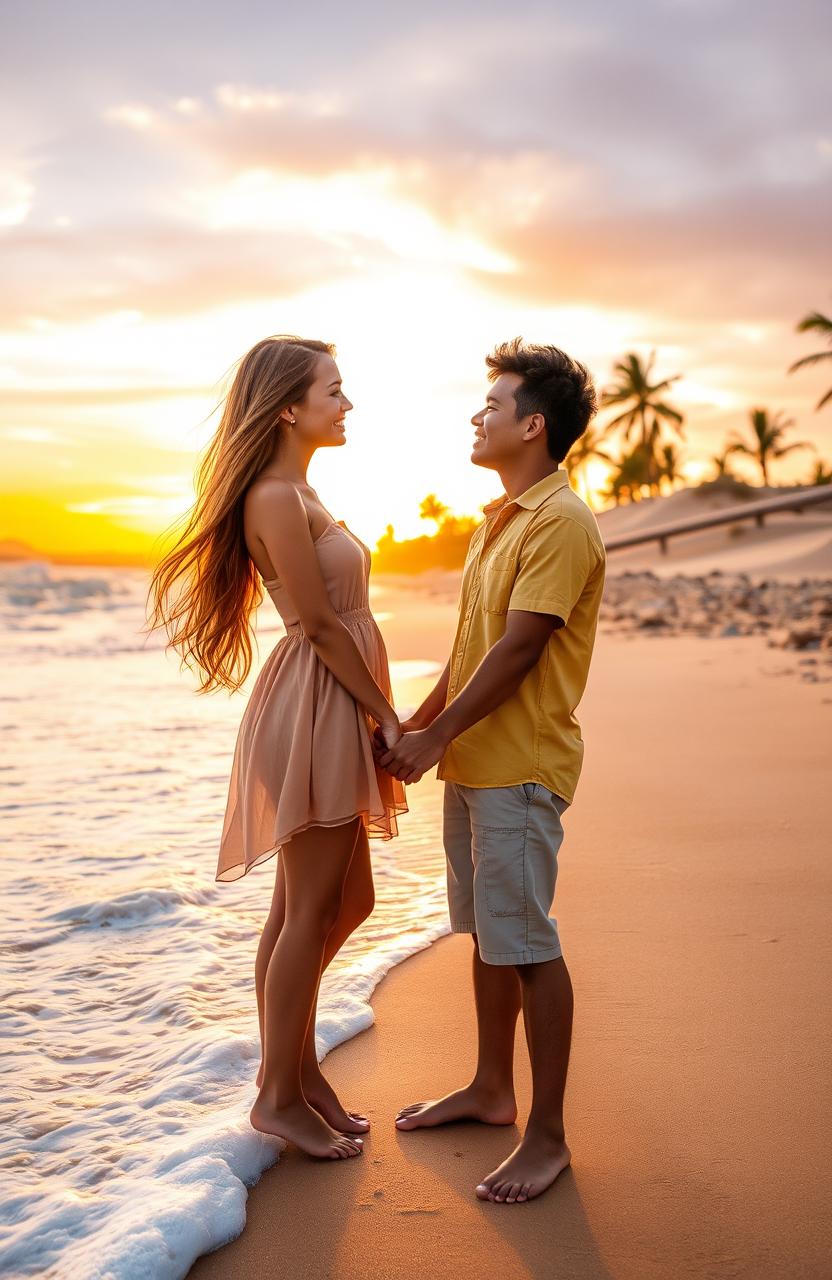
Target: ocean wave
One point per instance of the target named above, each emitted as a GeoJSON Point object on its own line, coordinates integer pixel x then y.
{"type": "Point", "coordinates": [39, 588]}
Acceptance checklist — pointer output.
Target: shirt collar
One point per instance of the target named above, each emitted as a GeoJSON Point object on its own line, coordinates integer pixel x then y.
{"type": "Point", "coordinates": [533, 497]}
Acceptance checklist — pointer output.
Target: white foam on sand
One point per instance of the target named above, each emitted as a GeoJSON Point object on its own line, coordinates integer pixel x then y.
{"type": "Point", "coordinates": [130, 1026]}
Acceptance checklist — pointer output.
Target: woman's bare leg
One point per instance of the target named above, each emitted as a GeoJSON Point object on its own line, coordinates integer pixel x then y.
{"type": "Point", "coordinates": [357, 904]}
{"type": "Point", "coordinates": [315, 866]}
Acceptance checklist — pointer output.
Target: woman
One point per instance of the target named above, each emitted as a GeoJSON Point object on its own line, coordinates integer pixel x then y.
{"type": "Point", "coordinates": [304, 781]}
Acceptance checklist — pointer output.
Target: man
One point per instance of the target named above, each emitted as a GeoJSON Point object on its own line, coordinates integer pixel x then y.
{"type": "Point", "coordinates": [501, 723]}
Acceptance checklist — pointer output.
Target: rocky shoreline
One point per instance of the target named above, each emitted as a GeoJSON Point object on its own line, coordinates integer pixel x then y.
{"type": "Point", "coordinates": [791, 615]}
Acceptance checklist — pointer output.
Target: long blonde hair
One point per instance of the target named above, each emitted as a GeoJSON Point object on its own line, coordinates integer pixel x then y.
{"type": "Point", "coordinates": [204, 590]}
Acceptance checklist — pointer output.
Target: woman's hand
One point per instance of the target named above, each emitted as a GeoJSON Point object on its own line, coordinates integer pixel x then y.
{"type": "Point", "coordinates": [389, 731]}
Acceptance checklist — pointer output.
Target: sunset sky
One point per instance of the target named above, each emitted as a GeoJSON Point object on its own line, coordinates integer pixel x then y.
{"type": "Point", "coordinates": [413, 183]}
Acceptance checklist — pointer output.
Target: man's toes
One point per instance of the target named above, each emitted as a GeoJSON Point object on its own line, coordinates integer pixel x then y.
{"type": "Point", "coordinates": [513, 1192]}
{"type": "Point", "coordinates": [407, 1111]}
{"type": "Point", "coordinates": [485, 1189]}
{"type": "Point", "coordinates": [524, 1191]}
{"type": "Point", "coordinates": [497, 1190]}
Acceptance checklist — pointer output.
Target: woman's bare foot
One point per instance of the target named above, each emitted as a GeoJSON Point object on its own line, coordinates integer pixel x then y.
{"type": "Point", "coordinates": [470, 1103]}
{"type": "Point", "coordinates": [301, 1125]}
{"type": "Point", "coordinates": [528, 1171]}
{"type": "Point", "coordinates": [320, 1094]}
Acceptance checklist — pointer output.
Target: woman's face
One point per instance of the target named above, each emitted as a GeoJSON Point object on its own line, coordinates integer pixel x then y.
{"type": "Point", "coordinates": [319, 417]}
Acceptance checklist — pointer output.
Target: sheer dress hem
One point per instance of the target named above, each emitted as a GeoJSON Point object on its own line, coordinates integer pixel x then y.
{"type": "Point", "coordinates": [377, 828]}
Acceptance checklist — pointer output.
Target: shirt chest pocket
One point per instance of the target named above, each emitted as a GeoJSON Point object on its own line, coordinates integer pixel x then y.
{"type": "Point", "coordinates": [497, 582]}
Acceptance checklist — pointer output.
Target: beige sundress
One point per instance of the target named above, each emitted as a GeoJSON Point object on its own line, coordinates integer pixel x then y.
{"type": "Point", "coordinates": [303, 755]}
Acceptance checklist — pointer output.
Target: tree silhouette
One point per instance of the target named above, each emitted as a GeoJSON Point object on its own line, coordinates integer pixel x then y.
{"type": "Point", "coordinates": [767, 440]}
{"type": "Point", "coordinates": [815, 321]}
{"type": "Point", "coordinates": [645, 411]}
{"type": "Point", "coordinates": [430, 508]}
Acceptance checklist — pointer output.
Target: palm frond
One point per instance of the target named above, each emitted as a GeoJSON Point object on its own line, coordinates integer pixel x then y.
{"type": "Point", "coordinates": [815, 320]}
{"type": "Point", "coordinates": [806, 361]}
{"type": "Point", "coordinates": [780, 451]}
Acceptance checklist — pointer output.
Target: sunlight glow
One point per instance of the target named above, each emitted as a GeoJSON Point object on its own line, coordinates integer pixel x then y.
{"type": "Point", "coordinates": [360, 203]}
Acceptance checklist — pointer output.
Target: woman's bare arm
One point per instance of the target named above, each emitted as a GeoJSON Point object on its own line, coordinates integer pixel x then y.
{"type": "Point", "coordinates": [280, 520]}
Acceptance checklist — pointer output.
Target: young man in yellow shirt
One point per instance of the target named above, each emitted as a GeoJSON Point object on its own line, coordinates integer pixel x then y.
{"type": "Point", "coordinates": [501, 724]}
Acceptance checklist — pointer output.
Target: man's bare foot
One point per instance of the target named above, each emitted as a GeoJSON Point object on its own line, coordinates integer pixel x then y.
{"type": "Point", "coordinates": [528, 1171]}
{"type": "Point", "coordinates": [469, 1103]}
{"type": "Point", "coordinates": [303, 1126]}
{"type": "Point", "coordinates": [320, 1094]}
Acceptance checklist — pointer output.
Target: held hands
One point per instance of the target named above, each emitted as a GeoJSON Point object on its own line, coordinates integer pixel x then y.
{"type": "Point", "coordinates": [386, 735]}
{"type": "Point", "coordinates": [409, 757]}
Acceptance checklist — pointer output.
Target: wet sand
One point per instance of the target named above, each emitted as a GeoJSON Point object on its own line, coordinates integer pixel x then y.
{"type": "Point", "coordinates": [693, 903]}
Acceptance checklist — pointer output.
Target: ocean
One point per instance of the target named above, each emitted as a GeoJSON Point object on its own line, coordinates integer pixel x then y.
{"type": "Point", "coordinates": [129, 1021]}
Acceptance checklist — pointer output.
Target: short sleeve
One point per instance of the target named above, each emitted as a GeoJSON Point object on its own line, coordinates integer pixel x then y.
{"type": "Point", "coordinates": [556, 559]}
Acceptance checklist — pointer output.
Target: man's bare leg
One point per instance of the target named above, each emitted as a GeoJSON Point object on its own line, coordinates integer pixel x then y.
{"type": "Point", "coordinates": [542, 1153]}
{"type": "Point", "coordinates": [489, 1097]}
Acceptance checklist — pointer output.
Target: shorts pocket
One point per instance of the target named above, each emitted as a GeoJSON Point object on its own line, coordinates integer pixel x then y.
{"type": "Point", "coordinates": [503, 857]}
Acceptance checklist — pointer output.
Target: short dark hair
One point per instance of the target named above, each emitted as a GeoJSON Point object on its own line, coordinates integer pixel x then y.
{"type": "Point", "coordinates": [553, 384]}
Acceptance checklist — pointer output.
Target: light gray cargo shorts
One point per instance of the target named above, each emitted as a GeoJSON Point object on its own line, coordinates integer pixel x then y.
{"type": "Point", "coordinates": [501, 845]}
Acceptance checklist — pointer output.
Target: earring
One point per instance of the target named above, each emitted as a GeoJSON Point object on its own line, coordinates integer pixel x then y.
{"type": "Point", "coordinates": [291, 422]}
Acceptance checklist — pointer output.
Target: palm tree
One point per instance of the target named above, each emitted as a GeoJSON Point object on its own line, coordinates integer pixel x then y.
{"type": "Point", "coordinates": [721, 462]}
{"type": "Point", "coordinates": [630, 477]}
{"type": "Point", "coordinates": [815, 320]}
{"type": "Point", "coordinates": [585, 448]}
{"type": "Point", "coordinates": [670, 464]}
{"type": "Point", "coordinates": [821, 474]}
{"type": "Point", "coordinates": [767, 443]}
{"type": "Point", "coordinates": [430, 508]}
{"type": "Point", "coordinates": [642, 398]}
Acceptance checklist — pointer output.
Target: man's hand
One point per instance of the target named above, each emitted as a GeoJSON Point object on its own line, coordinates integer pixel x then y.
{"type": "Point", "coordinates": [416, 751]}
{"type": "Point", "coordinates": [382, 743]}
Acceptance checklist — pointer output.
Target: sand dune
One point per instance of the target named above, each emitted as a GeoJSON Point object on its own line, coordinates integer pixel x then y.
{"type": "Point", "coordinates": [789, 544]}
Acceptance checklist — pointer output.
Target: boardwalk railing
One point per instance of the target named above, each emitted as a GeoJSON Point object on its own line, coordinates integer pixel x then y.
{"type": "Point", "coordinates": [757, 511]}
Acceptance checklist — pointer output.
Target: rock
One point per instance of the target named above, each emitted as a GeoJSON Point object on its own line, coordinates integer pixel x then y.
{"type": "Point", "coordinates": [651, 616]}
{"type": "Point", "coordinates": [730, 629]}
{"type": "Point", "coordinates": [802, 635]}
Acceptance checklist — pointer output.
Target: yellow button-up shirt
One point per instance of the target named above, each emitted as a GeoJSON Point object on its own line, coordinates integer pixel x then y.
{"type": "Point", "coordinates": [541, 553]}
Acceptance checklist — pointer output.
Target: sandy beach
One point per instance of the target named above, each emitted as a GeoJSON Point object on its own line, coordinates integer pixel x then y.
{"type": "Point", "coordinates": [693, 906]}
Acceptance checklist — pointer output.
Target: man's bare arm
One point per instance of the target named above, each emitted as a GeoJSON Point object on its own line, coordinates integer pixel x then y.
{"type": "Point", "coordinates": [499, 675]}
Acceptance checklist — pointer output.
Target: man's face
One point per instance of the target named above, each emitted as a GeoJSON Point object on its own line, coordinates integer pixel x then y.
{"type": "Point", "coordinates": [498, 436]}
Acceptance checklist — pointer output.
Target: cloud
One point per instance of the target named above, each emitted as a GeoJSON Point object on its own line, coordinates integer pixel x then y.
{"type": "Point", "coordinates": [16, 194]}
{"type": "Point", "coordinates": [72, 275]}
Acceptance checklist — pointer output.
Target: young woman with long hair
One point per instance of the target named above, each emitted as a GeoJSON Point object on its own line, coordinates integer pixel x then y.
{"type": "Point", "coordinates": [304, 783]}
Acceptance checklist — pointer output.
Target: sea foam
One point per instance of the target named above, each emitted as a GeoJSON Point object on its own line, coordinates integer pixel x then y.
{"type": "Point", "coordinates": [130, 1027]}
